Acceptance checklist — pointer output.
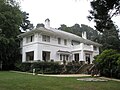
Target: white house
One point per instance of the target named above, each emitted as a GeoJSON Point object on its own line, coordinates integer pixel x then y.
{"type": "Point", "coordinates": [45, 44]}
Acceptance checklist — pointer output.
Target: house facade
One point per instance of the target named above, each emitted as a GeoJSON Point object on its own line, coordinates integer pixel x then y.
{"type": "Point", "coordinates": [49, 44]}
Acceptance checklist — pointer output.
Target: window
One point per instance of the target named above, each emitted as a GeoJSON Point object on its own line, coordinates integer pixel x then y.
{"type": "Point", "coordinates": [45, 55]}
{"type": "Point", "coordinates": [59, 40]}
{"type": "Point", "coordinates": [45, 38]}
{"type": "Point", "coordinates": [65, 42]}
{"type": "Point", "coordinates": [30, 39]}
{"type": "Point", "coordinates": [30, 56]}
{"type": "Point", "coordinates": [87, 57]}
{"type": "Point", "coordinates": [95, 48]}
{"type": "Point", "coordinates": [73, 42]}
{"type": "Point", "coordinates": [64, 57]}
{"type": "Point", "coordinates": [76, 57]}
{"type": "Point", "coordinates": [60, 57]}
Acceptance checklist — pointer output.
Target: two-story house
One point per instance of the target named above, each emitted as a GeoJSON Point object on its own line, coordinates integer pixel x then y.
{"type": "Point", "coordinates": [45, 44]}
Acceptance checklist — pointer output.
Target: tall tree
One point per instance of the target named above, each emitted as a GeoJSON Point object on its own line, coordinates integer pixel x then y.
{"type": "Point", "coordinates": [101, 14]}
{"type": "Point", "coordinates": [25, 22]}
{"type": "Point", "coordinates": [11, 18]}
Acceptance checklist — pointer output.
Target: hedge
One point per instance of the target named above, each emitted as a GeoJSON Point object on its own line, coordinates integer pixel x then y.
{"type": "Point", "coordinates": [47, 67]}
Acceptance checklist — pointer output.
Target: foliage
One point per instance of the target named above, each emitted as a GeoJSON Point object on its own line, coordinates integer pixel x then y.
{"type": "Point", "coordinates": [103, 11]}
{"type": "Point", "coordinates": [110, 39]}
{"type": "Point", "coordinates": [25, 22]}
{"type": "Point", "coordinates": [40, 67]}
{"type": "Point", "coordinates": [11, 18]}
{"type": "Point", "coordinates": [78, 30]}
{"type": "Point", "coordinates": [108, 63]}
{"type": "Point", "coordinates": [101, 14]}
{"type": "Point", "coordinates": [47, 67]}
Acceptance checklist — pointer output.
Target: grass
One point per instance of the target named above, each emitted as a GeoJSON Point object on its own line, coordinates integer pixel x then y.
{"type": "Point", "coordinates": [17, 81]}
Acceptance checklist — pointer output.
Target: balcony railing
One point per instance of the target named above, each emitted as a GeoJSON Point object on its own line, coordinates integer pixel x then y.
{"type": "Point", "coordinates": [88, 47]}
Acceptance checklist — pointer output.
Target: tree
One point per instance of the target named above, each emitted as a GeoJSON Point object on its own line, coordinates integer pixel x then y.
{"type": "Point", "coordinates": [25, 22]}
{"type": "Point", "coordinates": [11, 18]}
{"type": "Point", "coordinates": [113, 6]}
{"type": "Point", "coordinates": [91, 33]}
{"type": "Point", "coordinates": [78, 30]}
{"type": "Point", "coordinates": [108, 7]}
{"type": "Point", "coordinates": [101, 14]}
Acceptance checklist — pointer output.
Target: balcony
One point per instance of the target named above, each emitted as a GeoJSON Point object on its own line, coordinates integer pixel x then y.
{"type": "Point", "coordinates": [87, 47]}
{"type": "Point", "coordinates": [77, 47]}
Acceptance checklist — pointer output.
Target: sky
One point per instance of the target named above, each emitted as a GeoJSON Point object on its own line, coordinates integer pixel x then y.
{"type": "Point", "coordinates": [68, 12]}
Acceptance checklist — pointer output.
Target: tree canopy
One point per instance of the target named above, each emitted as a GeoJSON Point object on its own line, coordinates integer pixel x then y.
{"type": "Point", "coordinates": [79, 29]}
{"type": "Point", "coordinates": [101, 13]}
{"type": "Point", "coordinates": [11, 18]}
{"type": "Point", "coordinates": [25, 22]}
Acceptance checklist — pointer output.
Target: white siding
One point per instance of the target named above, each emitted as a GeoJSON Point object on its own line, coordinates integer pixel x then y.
{"type": "Point", "coordinates": [53, 47]}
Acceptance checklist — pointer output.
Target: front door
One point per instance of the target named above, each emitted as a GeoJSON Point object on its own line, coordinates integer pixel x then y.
{"type": "Point", "coordinates": [76, 56]}
{"type": "Point", "coordinates": [88, 58]}
{"type": "Point", "coordinates": [46, 55]}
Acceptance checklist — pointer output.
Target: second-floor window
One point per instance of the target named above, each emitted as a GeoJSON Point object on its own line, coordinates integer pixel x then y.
{"type": "Point", "coordinates": [86, 44]}
{"type": "Point", "coordinates": [73, 42]}
{"type": "Point", "coordinates": [59, 40]}
{"type": "Point", "coordinates": [30, 39]}
{"type": "Point", "coordinates": [95, 48]}
{"type": "Point", "coordinates": [45, 38]}
{"type": "Point", "coordinates": [65, 42]}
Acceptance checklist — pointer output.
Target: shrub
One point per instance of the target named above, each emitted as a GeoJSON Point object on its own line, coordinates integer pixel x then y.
{"type": "Point", "coordinates": [47, 67]}
{"type": "Point", "coordinates": [108, 63]}
{"type": "Point", "coordinates": [40, 67]}
{"type": "Point", "coordinates": [23, 66]}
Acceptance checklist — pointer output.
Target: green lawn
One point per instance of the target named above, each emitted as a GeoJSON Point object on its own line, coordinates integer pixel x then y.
{"type": "Point", "coordinates": [17, 81]}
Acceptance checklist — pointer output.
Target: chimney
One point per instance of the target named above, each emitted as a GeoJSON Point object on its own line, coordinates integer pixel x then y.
{"type": "Point", "coordinates": [40, 25]}
{"type": "Point", "coordinates": [47, 23]}
{"type": "Point", "coordinates": [84, 35]}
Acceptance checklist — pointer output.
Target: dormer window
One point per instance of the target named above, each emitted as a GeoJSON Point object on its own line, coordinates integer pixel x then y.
{"type": "Point", "coordinates": [45, 38]}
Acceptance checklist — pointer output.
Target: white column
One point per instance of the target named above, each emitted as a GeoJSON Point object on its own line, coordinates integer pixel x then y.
{"type": "Point", "coordinates": [73, 57]}
{"type": "Point", "coordinates": [82, 52]}
{"type": "Point", "coordinates": [70, 57]}
{"type": "Point", "coordinates": [92, 48]}
{"type": "Point", "coordinates": [40, 55]}
{"type": "Point", "coordinates": [36, 53]}
{"type": "Point", "coordinates": [79, 56]}
{"type": "Point", "coordinates": [23, 56]}
{"type": "Point", "coordinates": [91, 58]}
{"type": "Point", "coordinates": [82, 56]}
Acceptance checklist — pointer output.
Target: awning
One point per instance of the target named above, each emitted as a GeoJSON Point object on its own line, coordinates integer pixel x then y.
{"type": "Point", "coordinates": [63, 52]}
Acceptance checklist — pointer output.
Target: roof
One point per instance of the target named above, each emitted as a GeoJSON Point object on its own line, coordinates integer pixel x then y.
{"type": "Point", "coordinates": [59, 33]}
